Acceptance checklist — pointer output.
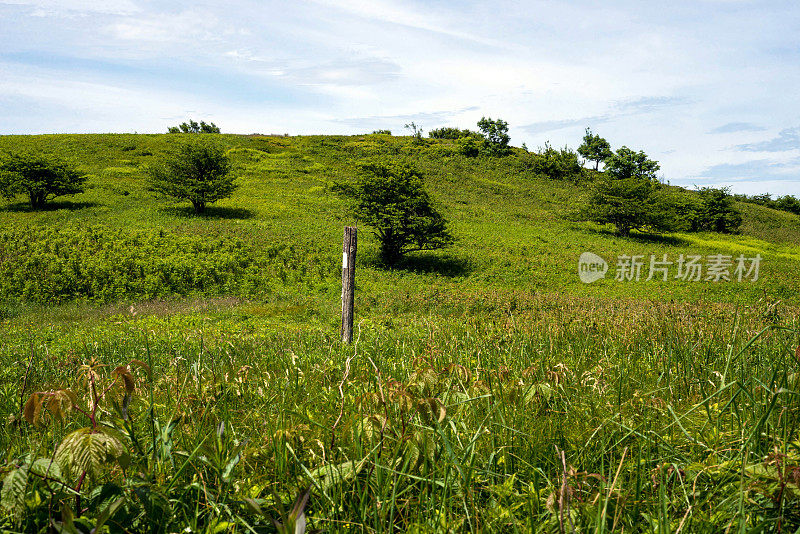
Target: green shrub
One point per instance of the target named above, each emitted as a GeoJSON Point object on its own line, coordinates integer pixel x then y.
{"type": "Point", "coordinates": [450, 133]}
{"type": "Point", "coordinates": [714, 212]}
{"type": "Point", "coordinates": [555, 164]}
{"type": "Point", "coordinates": [595, 148]}
{"type": "Point", "coordinates": [470, 146]}
{"type": "Point", "coordinates": [391, 198]}
{"type": "Point", "coordinates": [98, 263]}
{"type": "Point", "coordinates": [194, 127]}
{"type": "Point", "coordinates": [39, 177]}
{"type": "Point", "coordinates": [416, 133]}
{"type": "Point", "coordinates": [788, 203]}
{"type": "Point", "coordinates": [199, 173]}
{"type": "Point", "coordinates": [629, 196]}
{"type": "Point", "coordinates": [495, 136]}
{"type": "Point", "coordinates": [784, 203]}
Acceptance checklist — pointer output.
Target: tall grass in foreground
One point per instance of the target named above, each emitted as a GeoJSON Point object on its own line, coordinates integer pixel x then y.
{"type": "Point", "coordinates": [650, 419]}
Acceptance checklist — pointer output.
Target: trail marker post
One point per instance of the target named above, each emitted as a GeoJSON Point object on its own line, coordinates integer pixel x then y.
{"type": "Point", "coordinates": [349, 247]}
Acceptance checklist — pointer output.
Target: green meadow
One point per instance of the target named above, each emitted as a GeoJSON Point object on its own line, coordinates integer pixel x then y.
{"type": "Point", "coordinates": [487, 389]}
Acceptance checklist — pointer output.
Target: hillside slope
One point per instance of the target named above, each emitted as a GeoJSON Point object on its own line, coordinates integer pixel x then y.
{"type": "Point", "coordinates": [517, 233]}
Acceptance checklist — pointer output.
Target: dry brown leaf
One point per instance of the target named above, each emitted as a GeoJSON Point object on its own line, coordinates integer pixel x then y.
{"type": "Point", "coordinates": [141, 364]}
{"type": "Point", "coordinates": [127, 378]}
{"type": "Point", "coordinates": [30, 408]}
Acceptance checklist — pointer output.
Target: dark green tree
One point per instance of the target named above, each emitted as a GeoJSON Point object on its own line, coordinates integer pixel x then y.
{"type": "Point", "coordinates": [788, 203]}
{"type": "Point", "coordinates": [391, 198]}
{"type": "Point", "coordinates": [495, 136]}
{"type": "Point", "coordinates": [715, 212]}
{"type": "Point", "coordinates": [194, 127]}
{"type": "Point", "coordinates": [199, 173]}
{"type": "Point", "coordinates": [595, 148]}
{"type": "Point", "coordinates": [38, 177]}
{"type": "Point", "coordinates": [629, 195]}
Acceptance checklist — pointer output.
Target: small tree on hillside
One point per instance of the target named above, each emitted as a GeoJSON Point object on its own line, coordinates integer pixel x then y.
{"type": "Point", "coordinates": [194, 127]}
{"type": "Point", "coordinates": [391, 198]}
{"type": "Point", "coordinates": [788, 203]}
{"type": "Point", "coordinates": [716, 212]}
{"type": "Point", "coordinates": [199, 173]}
{"type": "Point", "coordinates": [630, 196]}
{"type": "Point", "coordinates": [595, 148]}
{"type": "Point", "coordinates": [38, 177]}
{"type": "Point", "coordinates": [416, 133]}
{"type": "Point", "coordinates": [495, 133]}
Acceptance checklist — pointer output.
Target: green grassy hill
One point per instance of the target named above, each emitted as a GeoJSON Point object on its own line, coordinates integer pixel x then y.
{"type": "Point", "coordinates": [488, 389]}
{"type": "Point", "coordinates": [516, 231]}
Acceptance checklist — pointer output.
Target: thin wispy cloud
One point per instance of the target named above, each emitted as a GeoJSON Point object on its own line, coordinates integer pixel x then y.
{"type": "Point", "coordinates": [626, 108]}
{"type": "Point", "coordinates": [354, 71]}
{"type": "Point", "coordinates": [735, 127]}
{"type": "Point", "coordinates": [788, 139]}
{"type": "Point", "coordinates": [383, 122]}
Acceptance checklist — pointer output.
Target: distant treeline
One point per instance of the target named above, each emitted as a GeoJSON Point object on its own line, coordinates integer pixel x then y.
{"type": "Point", "coordinates": [784, 203]}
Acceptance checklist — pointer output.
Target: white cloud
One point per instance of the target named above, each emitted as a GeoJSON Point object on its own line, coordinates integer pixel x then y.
{"type": "Point", "coordinates": [185, 26]}
{"type": "Point", "coordinates": [56, 7]}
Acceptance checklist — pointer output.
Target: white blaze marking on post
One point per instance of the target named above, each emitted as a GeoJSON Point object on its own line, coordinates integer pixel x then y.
{"type": "Point", "coordinates": [344, 260]}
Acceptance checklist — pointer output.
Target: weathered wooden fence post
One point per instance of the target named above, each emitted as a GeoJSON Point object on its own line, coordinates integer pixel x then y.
{"type": "Point", "coordinates": [348, 281]}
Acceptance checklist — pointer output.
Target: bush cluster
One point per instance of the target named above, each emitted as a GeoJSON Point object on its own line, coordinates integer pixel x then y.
{"type": "Point", "coordinates": [556, 164]}
{"type": "Point", "coordinates": [98, 263]}
{"type": "Point", "coordinates": [711, 210]}
{"type": "Point", "coordinates": [629, 195]}
{"type": "Point", "coordinates": [39, 177]}
{"type": "Point", "coordinates": [450, 133]}
{"type": "Point", "coordinates": [194, 127]}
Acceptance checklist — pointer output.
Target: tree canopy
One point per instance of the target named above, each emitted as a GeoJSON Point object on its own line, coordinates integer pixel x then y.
{"type": "Point", "coordinates": [391, 198]}
{"type": "Point", "coordinates": [194, 127]}
{"type": "Point", "coordinates": [715, 212]}
{"type": "Point", "coordinates": [496, 138]}
{"type": "Point", "coordinates": [199, 173]}
{"type": "Point", "coordinates": [630, 196]}
{"type": "Point", "coordinates": [595, 148]}
{"type": "Point", "coordinates": [39, 177]}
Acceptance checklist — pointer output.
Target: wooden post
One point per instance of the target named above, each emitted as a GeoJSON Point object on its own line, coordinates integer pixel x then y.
{"type": "Point", "coordinates": [348, 281]}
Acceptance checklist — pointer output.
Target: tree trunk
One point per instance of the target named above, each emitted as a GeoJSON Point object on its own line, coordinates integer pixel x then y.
{"type": "Point", "coordinates": [199, 207]}
{"type": "Point", "coordinates": [390, 255]}
{"type": "Point", "coordinates": [37, 200]}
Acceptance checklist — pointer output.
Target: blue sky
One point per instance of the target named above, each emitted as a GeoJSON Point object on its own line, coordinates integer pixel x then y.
{"type": "Point", "coordinates": [709, 88]}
